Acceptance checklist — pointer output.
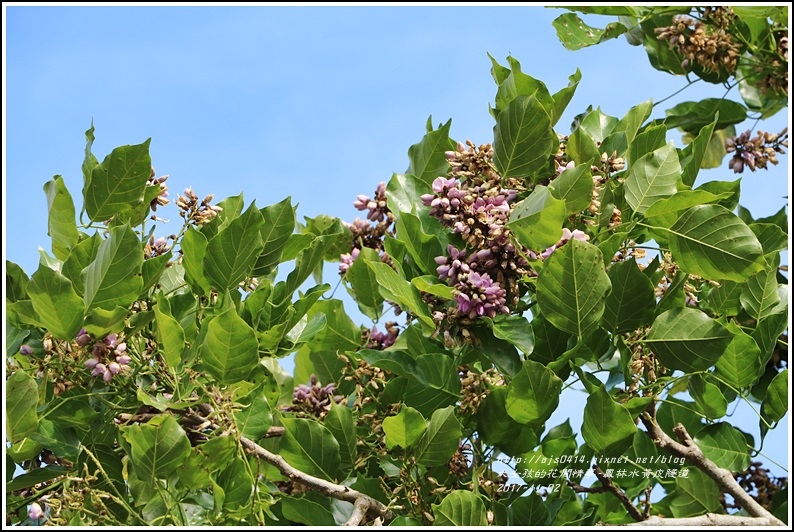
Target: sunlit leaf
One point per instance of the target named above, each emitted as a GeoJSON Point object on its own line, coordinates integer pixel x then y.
{"type": "Point", "coordinates": [460, 508]}
{"type": "Point", "coordinates": [537, 220]}
{"type": "Point", "coordinates": [310, 447]}
{"type": "Point", "coordinates": [59, 309]}
{"type": "Point", "coordinates": [61, 224]}
{"type": "Point", "coordinates": [574, 34]}
{"type": "Point", "coordinates": [687, 339]}
{"type": "Point", "coordinates": [22, 398]}
{"type": "Point", "coordinates": [533, 394]}
{"type": "Point", "coordinates": [114, 277]}
{"type": "Point", "coordinates": [652, 177]}
{"type": "Point", "coordinates": [523, 138]}
{"type": "Point", "coordinates": [117, 183]}
{"type": "Point", "coordinates": [232, 253]}
{"type": "Point", "coordinates": [405, 428]}
{"type": "Point", "coordinates": [724, 445]}
{"type": "Point", "coordinates": [427, 159]}
{"type": "Point", "coordinates": [230, 348]}
{"type": "Point", "coordinates": [441, 440]}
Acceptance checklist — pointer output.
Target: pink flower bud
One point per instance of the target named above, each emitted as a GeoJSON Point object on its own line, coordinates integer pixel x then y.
{"type": "Point", "coordinates": [123, 359]}
{"type": "Point", "coordinates": [99, 369]}
{"type": "Point", "coordinates": [114, 368]}
{"type": "Point", "coordinates": [91, 363]}
{"type": "Point", "coordinates": [107, 375]}
{"type": "Point", "coordinates": [35, 512]}
{"type": "Point", "coordinates": [25, 349]}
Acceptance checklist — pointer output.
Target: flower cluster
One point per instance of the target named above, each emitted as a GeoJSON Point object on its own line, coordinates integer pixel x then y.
{"type": "Point", "coordinates": [162, 198]}
{"type": "Point", "coordinates": [155, 247]}
{"type": "Point", "coordinates": [710, 46]}
{"type": "Point", "coordinates": [756, 152]}
{"type": "Point", "coordinates": [473, 202]}
{"type": "Point", "coordinates": [375, 339]}
{"type": "Point", "coordinates": [314, 400]}
{"type": "Point", "coordinates": [369, 233]}
{"type": "Point", "coordinates": [194, 212]}
{"type": "Point", "coordinates": [109, 356]}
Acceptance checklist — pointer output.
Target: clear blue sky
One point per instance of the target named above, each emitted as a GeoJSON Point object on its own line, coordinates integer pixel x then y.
{"type": "Point", "coordinates": [316, 103]}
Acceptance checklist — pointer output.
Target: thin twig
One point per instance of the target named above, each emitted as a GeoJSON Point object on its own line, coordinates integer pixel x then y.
{"type": "Point", "coordinates": [607, 483]}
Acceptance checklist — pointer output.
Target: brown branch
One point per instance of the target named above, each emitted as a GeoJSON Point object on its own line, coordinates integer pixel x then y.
{"type": "Point", "coordinates": [688, 450]}
{"type": "Point", "coordinates": [710, 520]}
{"type": "Point", "coordinates": [374, 508]}
{"type": "Point", "coordinates": [359, 514]}
{"type": "Point", "coordinates": [607, 483]}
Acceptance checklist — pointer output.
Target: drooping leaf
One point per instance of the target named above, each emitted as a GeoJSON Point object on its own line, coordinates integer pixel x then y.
{"type": "Point", "coordinates": [771, 237]}
{"type": "Point", "coordinates": [608, 428]}
{"type": "Point", "coordinates": [117, 183]}
{"type": "Point", "coordinates": [310, 447]}
{"type": "Point", "coordinates": [574, 34]}
{"type": "Point", "coordinates": [572, 287]}
{"type": "Point", "coordinates": [254, 420]}
{"type": "Point", "coordinates": [339, 421]}
{"type": "Point", "coordinates": [60, 310]}
{"type": "Point", "coordinates": [364, 285]}
{"type": "Point", "coordinates": [441, 440]}
{"type": "Point", "coordinates": [529, 511]}
{"type": "Point", "coordinates": [598, 125]}
{"type": "Point", "coordinates": [230, 348]}
{"type": "Point", "coordinates": [687, 339]}
{"type": "Point", "coordinates": [422, 247]}
{"type": "Point", "coordinates": [652, 177]}
{"type": "Point", "coordinates": [710, 400]}
{"type": "Point", "coordinates": [460, 508]}
{"type": "Point", "coordinates": [158, 447]}
{"type": "Point", "coordinates": [724, 445]}
{"type": "Point", "coordinates": [666, 211]}
{"type": "Point", "coordinates": [775, 403]}
{"type": "Point", "coordinates": [231, 254]}
{"type": "Point", "coordinates": [16, 282]}
{"type": "Point", "coordinates": [631, 302]}
{"type": "Point", "coordinates": [523, 138]}
{"type": "Point", "coordinates": [394, 288]}
{"type": "Point", "coordinates": [169, 332]}
{"type": "Point", "coordinates": [694, 494]}
{"type": "Point", "coordinates": [533, 394]}
{"type": "Point", "coordinates": [434, 383]}
{"type": "Point", "coordinates": [693, 116]}
{"type": "Point", "coordinates": [740, 365]}
{"type": "Point", "coordinates": [759, 296]}
{"type": "Point", "coordinates": [563, 97]}
{"type": "Point", "coordinates": [236, 483]}
{"type": "Point", "coordinates": [649, 140]}
{"type": "Point", "coordinates": [22, 398]}
{"type": "Point", "coordinates": [695, 153]}
{"type": "Point", "coordinates": [497, 428]}
{"type": "Point", "coordinates": [61, 224]}
{"type": "Point", "coordinates": [114, 277]}
{"type": "Point", "coordinates": [514, 329]}
{"type": "Point", "coordinates": [79, 258]}
{"type": "Point", "coordinates": [711, 241]}
{"type": "Point", "coordinates": [537, 220]}
{"type": "Point", "coordinates": [404, 429]}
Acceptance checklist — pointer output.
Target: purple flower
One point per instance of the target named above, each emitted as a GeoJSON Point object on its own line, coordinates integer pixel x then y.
{"type": "Point", "coordinates": [83, 338]}
{"type": "Point", "coordinates": [346, 260]}
{"type": "Point", "coordinates": [25, 349]}
{"type": "Point", "coordinates": [110, 340]}
{"type": "Point", "coordinates": [123, 359]}
{"type": "Point", "coordinates": [91, 363]}
{"type": "Point", "coordinates": [99, 369]}
{"type": "Point", "coordinates": [481, 296]}
{"type": "Point", "coordinates": [36, 512]}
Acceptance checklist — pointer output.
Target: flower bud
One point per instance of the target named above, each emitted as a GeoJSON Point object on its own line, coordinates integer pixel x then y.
{"type": "Point", "coordinates": [25, 349]}
{"type": "Point", "coordinates": [83, 338]}
{"type": "Point", "coordinates": [35, 512]}
{"type": "Point", "coordinates": [123, 359]}
{"type": "Point", "coordinates": [91, 363]}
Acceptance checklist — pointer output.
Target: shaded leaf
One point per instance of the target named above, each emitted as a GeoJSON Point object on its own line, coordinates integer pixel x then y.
{"type": "Point", "coordinates": [740, 365]}
{"type": "Point", "coordinates": [441, 440]}
{"type": "Point", "coordinates": [394, 288]}
{"type": "Point", "coordinates": [169, 332]}
{"type": "Point", "coordinates": [460, 508]}
{"type": "Point", "coordinates": [608, 428]}
{"type": "Point", "coordinates": [631, 302]}
{"type": "Point", "coordinates": [114, 277]}
{"type": "Point", "coordinates": [708, 397]}
{"type": "Point", "coordinates": [158, 447]}
{"type": "Point", "coordinates": [574, 34]}
{"type": "Point", "coordinates": [117, 183]}
{"type": "Point", "coordinates": [22, 398]}
{"type": "Point", "coordinates": [61, 224]}
{"type": "Point", "coordinates": [339, 421]}
{"type": "Point", "coordinates": [533, 394]}
{"type": "Point", "coordinates": [279, 224]}
{"type": "Point", "coordinates": [687, 339]}
{"type": "Point", "coordinates": [310, 447]}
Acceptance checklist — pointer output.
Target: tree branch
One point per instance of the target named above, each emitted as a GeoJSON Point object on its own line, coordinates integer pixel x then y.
{"type": "Point", "coordinates": [364, 504]}
{"type": "Point", "coordinates": [607, 483]}
{"type": "Point", "coordinates": [688, 450]}
{"type": "Point", "coordinates": [709, 520]}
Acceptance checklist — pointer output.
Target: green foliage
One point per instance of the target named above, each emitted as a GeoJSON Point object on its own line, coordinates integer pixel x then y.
{"type": "Point", "coordinates": [149, 376]}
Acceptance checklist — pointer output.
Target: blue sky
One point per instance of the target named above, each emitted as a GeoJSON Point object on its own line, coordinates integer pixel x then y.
{"type": "Point", "coordinates": [319, 103]}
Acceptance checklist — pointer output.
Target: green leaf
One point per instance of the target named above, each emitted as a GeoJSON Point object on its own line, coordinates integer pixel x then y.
{"type": "Point", "coordinates": [759, 296]}
{"type": "Point", "coordinates": [523, 138]}
{"type": "Point", "coordinates": [435, 383]}
{"type": "Point", "coordinates": [279, 224]}
{"type": "Point", "coordinates": [230, 349]}
{"type": "Point", "coordinates": [495, 427]}
{"type": "Point", "coordinates": [101, 322]}
{"type": "Point", "coordinates": [422, 247]}
{"type": "Point", "coordinates": [364, 285]}
{"type": "Point", "coordinates": [740, 365]}
{"type": "Point", "coordinates": [236, 483]}
{"type": "Point", "coordinates": [60, 310]}
{"type": "Point", "coordinates": [575, 187]}
{"type": "Point", "coordinates": [711, 241]}
{"type": "Point", "coordinates": [117, 183]}
{"type": "Point", "coordinates": [232, 253]}
{"type": "Point", "coordinates": [563, 97]}
{"type": "Point", "coordinates": [771, 237]}
{"type": "Point", "coordinates": [22, 398]}
{"type": "Point", "coordinates": [79, 258]}
{"type": "Point", "coordinates": [695, 153]}
{"type": "Point", "coordinates": [254, 420]}
{"type": "Point", "coordinates": [651, 139]}
{"type": "Point", "coordinates": [631, 302]}
{"type": "Point", "coordinates": [708, 397]}
{"type": "Point", "coordinates": [775, 403]}
{"type": "Point", "coordinates": [724, 299]}
{"type": "Point", "coordinates": [516, 83]}
{"type": "Point", "coordinates": [598, 125]}
{"type": "Point", "coordinates": [514, 329]}
{"type": "Point", "coordinates": [608, 427]}
{"type": "Point", "coordinates": [441, 440]}
{"type": "Point", "coordinates": [36, 476]}
{"type": "Point", "coordinates": [402, 192]}
{"type": "Point", "coordinates": [687, 339]}
{"type": "Point", "coordinates": [725, 446]}
{"type": "Point", "coordinates": [404, 429]}
{"type": "Point", "coordinates": [395, 288]}
{"type": "Point", "coordinates": [529, 511]}
{"type": "Point", "coordinates": [537, 220]}
{"type": "Point", "coordinates": [691, 117]}
{"type": "Point", "coordinates": [574, 34]}
{"type": "Point", "coordinates": [633, 120]}
{"type": "Point", "coordinates": [306, 511]}
{"type": "Point", "coordinates": [431, 284]}
{"type": "Point", "coordinates": [653, 176]}
{"type": "Point", "coordinates": [581, 147]}
{"type": "Point", "coordinates": [460, 508]}
{"type": "Point", "coordinates": [339, 421]}
{"type": "Point", "coordinates": [114, 277]}
{"type": "Point", "coordinates": [694, 494]}
{"type": "Point", "coordinates": [310, 447]}
{"type": "Point", "coordinates": [61, 225]}
{"type": "Point", "coordinates": [572, 287]}
{"type": "Point", "coordinates": [169, 332]}
{"type": "Point", "coordinates": [427, 159]}
{"type": "Point", "coordinates": [665, 212]}
{"type": "Point", "coordinates": [533, 395]}
{"type": "Point", "coordinates": [340, 333]}
{"type": "Point", "coordinates": [89, 160]}
{"type": "Point", "coordinates": [194, 248]}
{"type": "Point", "coordinates": [158, 448]}
{"type": "Point", "coordinates": [16, 282]}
